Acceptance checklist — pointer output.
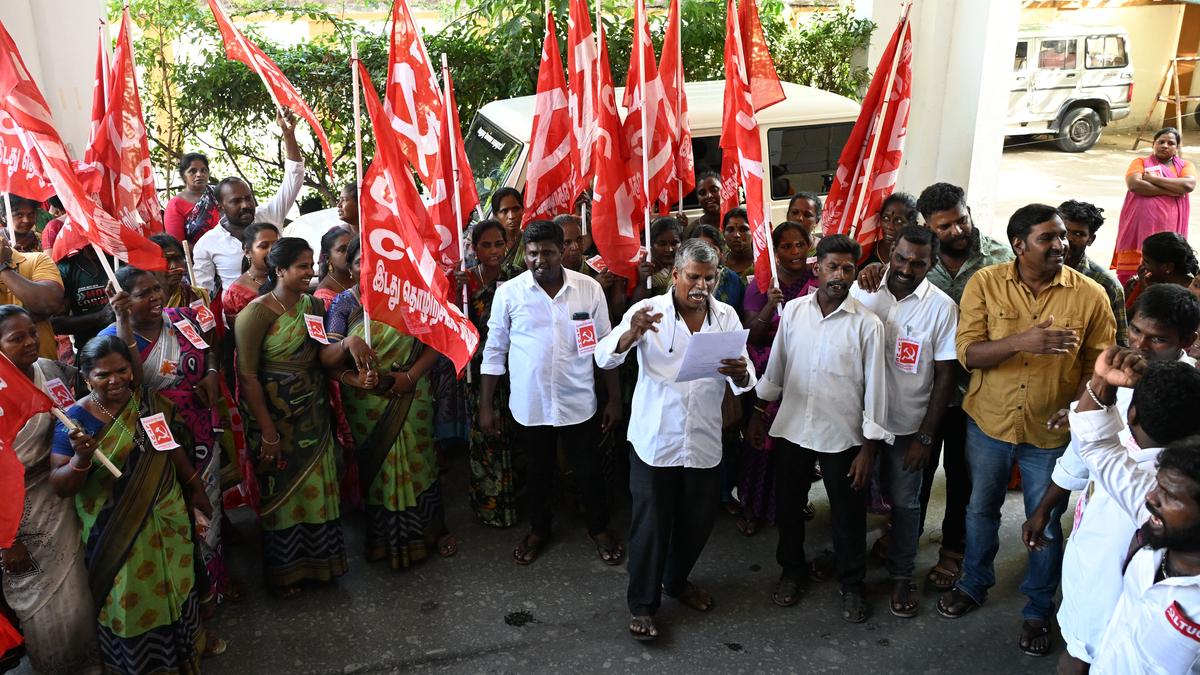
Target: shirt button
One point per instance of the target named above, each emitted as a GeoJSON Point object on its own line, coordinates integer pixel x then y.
{"type": "Point", "coordinates": [1019, 407]}
{"type": "Point", "coordinates": [1022, 386]}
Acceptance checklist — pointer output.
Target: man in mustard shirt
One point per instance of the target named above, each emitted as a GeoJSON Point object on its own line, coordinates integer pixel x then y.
{"type": "Point", "coordinates": [1029, 331]}
{"type": "Point", "coordinates": [31, 280]}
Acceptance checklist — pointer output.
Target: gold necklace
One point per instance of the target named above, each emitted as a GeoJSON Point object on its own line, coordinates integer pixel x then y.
{"type": "Point", "coordinates": [282, 309]}
{"type": "Point", "coordinates": [331, 278]}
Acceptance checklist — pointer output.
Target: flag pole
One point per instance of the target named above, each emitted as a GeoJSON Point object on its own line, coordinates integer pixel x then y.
{"type": "Point", "coordinates": [583, 213]}
{"type": "Point", "coordinates": [887, 94]}
{"type": "Point", "coordinates": [679, 95]}
{"type": "Point", "coordinates": [105, 84]}
{"type": "Point", "coordinates": [96, 454]}
{"type": "Point", "coordinates": [12, 228]}
{"type": "Point", "coordinates": [458, 219]}
{"type": "Point", "coordinates": [358, 175]}
{"type": "Point", "coordinates": [641, 13]}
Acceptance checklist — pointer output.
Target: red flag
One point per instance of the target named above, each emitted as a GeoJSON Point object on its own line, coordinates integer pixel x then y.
{"type": "Point", "coordinates": [91, 174]}
{"type": "Point", "coordinates": [120, 149]}
{"type": "Point", "coordinates": [659, 121]}
{"type": "Point", "coordinates": [23, 102]}
{"type": "Point", "coordinates": [21, 171]}
{"type": "Point", "coordinates": [870, 160]}
{"type": "Point", "coordinates": [412, 99]}
{"type": "Point", "coordinates": [12, 501]}
{"type": "Point", "coordinates": [765, 90]}
{"type": "Point", "coordinates": [401, 283]}
{"type": "Point", "coordinates": [553, 166]}
{"type": "Point", "coordinates": [581, 88]}
{"type": "Point", "coordinates": [238, 48]}
{"type": "Point", "coordinates": [19, 401]}
{"type": "Point", "coordinates": [671, 72]}
{"type": "Point", "coordinates": [741, 145]}
{"type": "Point", "coordinates": [445, 226]}
{"type": "Point", "coordinates": [616, 211]}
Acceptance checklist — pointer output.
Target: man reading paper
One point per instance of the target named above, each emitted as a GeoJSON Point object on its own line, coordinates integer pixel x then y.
{"type": "Point", "coordinates": [673, 476]}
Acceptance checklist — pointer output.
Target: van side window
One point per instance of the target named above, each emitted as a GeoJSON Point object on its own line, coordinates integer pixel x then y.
{"type": "Point", "coordinates": [1057, 54]}
{"type": "Point", "coordinates": [1106, 51]}
{"type": "Point", "coordinates": [804, 159]}
{"type": "Point", "coordinates": [1021, 58]}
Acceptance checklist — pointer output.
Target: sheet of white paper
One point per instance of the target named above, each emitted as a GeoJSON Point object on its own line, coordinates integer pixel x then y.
{"type": "Point", "coordinates": [705, 351]}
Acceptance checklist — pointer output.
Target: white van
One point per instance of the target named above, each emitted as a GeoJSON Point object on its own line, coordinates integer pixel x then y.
{"type": "Point", "coordinates": [803, 136]}
{"type": "Point", "coordinates": [1070, 81]}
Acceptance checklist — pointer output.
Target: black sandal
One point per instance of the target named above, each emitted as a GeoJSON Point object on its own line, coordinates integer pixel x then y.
{"type": "Point", "coordinates": [528, 550]}
{"type": "Point", "coordinates": [1030, 633]}
{"type": "Point", "coordinates": [612, 552]}
{"type": "Point", "coordinates": [906, 608]}
{"type": "Point", "coordinates": [787, 592]}
{"type": "Point", "coordinates": [954, 604]}
{"type": "Point", "coordinates": [642, 628]}
{"type": "Point", "coordinates": [854, 607]}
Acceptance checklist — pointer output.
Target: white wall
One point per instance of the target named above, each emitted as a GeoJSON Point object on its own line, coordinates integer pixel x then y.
{"type": "Point", "coordinates": [57, 39]}
{"type": "Point", "coordinates": [962, 54]}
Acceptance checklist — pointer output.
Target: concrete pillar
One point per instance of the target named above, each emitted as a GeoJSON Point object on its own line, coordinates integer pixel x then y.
{"type": "Point", "coordinates": [962, 60]}
{"type": "Point", "coordinates": [57, 39]}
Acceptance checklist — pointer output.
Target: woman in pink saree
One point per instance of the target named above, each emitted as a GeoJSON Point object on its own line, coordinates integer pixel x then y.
{"type": "Point", "coordinates": [1157, 201]}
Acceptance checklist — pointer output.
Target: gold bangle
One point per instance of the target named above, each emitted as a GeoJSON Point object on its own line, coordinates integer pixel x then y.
{"type": "Point", "coordinates": [85, 469]}
{"type": "Point", "coordinates": [410, 380]}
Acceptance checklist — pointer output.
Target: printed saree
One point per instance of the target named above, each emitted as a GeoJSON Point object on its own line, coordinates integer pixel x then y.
{"type": "Point", "coordinates": [138, 547]}
{"type": "Point", "coordinates": [299, 511]}
{"type": "Point", "coordinates": [394, 438]}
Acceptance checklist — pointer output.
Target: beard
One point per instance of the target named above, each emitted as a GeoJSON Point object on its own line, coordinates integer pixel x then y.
{"type": "Point", "coordinates": [1183, 539]}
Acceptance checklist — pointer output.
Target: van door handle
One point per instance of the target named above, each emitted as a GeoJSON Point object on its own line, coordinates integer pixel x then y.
{"type": "Point", "coordinates": [1072, 74]}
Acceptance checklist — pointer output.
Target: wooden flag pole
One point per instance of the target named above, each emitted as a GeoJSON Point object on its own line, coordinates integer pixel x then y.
{"type": "Point", "coordinates": [187, 260]}
{"type": "Point", "coordinates": [887, 93]}
{"type": "Point", "coordinates": [641, 14]}
{"type": "Point", "coordinates": [458, 219]}
{"type": "Point", "coordinates": [72, 426]}
{"type": "Point", "coordinates": [358, 177]}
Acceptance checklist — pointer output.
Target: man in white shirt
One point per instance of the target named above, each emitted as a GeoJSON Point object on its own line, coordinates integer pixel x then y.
{"type": "Point", "coordinates": [544, 326]}
{"type": "Point", "coordinates": [827, 365]}
{"type": "Point", "coordinates": [218, 253]}
{"type": "Point", "coordinates": [673, 476]}
{"type": "Point", "coordinates": [919, 322]}
{"type": "Point", "coordinates": [1153, 627]}
{"type": "Point", "coordinates": [1162, 325]}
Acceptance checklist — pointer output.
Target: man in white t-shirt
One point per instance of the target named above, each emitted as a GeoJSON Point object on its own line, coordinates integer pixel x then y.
{"type": "Point", "coordinates": [1153, 626]}
{"type": "Point", "coordinates": [1162, 325]}
{"type": "Point", "coordinates": [920, 322]}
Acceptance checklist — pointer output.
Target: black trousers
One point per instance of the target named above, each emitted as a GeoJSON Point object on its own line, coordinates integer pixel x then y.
{"type": "Point", "coordinates": [673, 513]}
{"type": "Point", "coordinates": [540, 445]}
{"type": "Point", "coordinates": [951, 445]}
{"type": "Point", "coordinates": [848, 509]}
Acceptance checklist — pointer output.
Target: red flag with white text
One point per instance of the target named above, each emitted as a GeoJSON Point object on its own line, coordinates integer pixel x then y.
{"type": "Point", "coordinates": [616, 208]}
{"type": "Point", "coordinates": [581, 88]}
{"type": "Point", "coordinates": [120, 148]}
{"type": "Point", "coordinates": [659, 121]}
{"type": "Point", "coordinates": [741, 144]}
{"type": "Point", "coordinates": [670, 71]}
{"type": "Point", "coordinates": [238, 48]}
{"type": "Point", "coordinates": [23, 103]}
{"type": "Point", "coordinates": [415, 111]}
{"type": "Point", "coordinates": [552, 169]}
{"type": "Point", "coordinates": [886, 131]}
{"type": "Point", "coordinates": [446, 227]}
{"type": "Point", "coordinates": [401, 283]}
{"type": "Point", "coordinates": [90, 173]}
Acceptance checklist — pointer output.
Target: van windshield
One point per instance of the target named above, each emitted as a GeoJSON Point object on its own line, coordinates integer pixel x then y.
{"type": "Point", "coordinates": [492, 154]}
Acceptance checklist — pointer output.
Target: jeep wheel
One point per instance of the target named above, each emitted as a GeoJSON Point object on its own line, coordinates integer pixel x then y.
{"type": "Point", "coordinates": [1079, 131]}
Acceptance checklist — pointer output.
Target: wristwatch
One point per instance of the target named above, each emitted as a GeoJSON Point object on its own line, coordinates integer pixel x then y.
{"type": "Point", "coordinates": [923, 439]}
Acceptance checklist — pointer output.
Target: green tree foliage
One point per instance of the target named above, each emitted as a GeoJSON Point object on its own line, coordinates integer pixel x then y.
{"type": "Point", "coordinates": [220, 107]}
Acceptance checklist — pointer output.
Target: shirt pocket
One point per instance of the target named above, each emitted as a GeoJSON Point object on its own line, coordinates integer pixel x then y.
{"type": "Point", "coordinates": [840, 360]}
{"type": "Point", "coordinates": [1003, 321]}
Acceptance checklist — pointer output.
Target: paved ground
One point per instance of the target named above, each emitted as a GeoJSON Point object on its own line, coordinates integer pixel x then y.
{"type": "Point", "coordinates": [477, 612]}
{"type": "Point", "coordinates": [1036, 172]}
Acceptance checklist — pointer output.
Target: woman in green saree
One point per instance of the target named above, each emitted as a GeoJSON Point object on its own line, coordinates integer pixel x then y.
{"type": "Point", "coordinates": [137, 532]}
{"type": "Point", "coordinates": [392, 424]}
{"type": "Point", "coordinates": [280, 362]}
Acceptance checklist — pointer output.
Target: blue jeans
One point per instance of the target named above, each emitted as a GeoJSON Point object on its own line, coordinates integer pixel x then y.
{"type": "Point", "coordinates": [990, 464]}
{"type": "Point", "coordinates": [903, 489]}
